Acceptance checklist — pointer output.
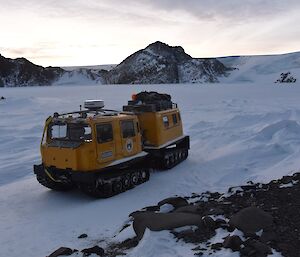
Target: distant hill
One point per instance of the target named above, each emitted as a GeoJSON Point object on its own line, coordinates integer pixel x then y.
{"type": "Point", "coordinates": [21, 72]}
{"type": "Point", "coordinates": [261, 68]}
{"type": "Point", "coordinates": [158, 63]}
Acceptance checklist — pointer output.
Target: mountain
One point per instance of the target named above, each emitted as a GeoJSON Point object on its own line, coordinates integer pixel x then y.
{"type": "Point", "coordinates": [21, 72]}
{"type": "Point", "coordinates": [160, 63]}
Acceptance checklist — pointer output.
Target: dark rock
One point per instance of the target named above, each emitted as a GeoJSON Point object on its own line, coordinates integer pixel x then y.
{"type": "Point", "coordinates": [249, 187]}
{"type": "Point", "coordinates": [233, 242]}
{"type": "Point", "coordinates": [93, 250]}
{"type": "Point", "coordinates": [268, 236]}
{"type": "Point", "coordinates": [209, 222]}
{"type": "Point", "coordinates": [163, 221]}
{"type": "Point", "coordinates": [62, 251]}
{"type": "Point", "coordinates": [83, 236]}
{"type": "Point", "coordinates": [175, 201]}
{"type": "Point", "coordinates": [245, 251]}
{"type": "Point", "coordinates": [190, 209]}
{"type": "Point", "coordinates": [260, 248]}
{"type": "Point", "coordinates": [151, 208]}
{"type": "Point", "coordinates": [220, 223]}
{"type": "Point", "coordinates": [217, 246]}
{"type": "Point", "coordinates": [230, 229]}
{"type": "Point", "coordinates": [286, 179]}
{"type": "Point", "coordinates": [251, 220]}
{"type": "Point", "coordinates": [2, 98]}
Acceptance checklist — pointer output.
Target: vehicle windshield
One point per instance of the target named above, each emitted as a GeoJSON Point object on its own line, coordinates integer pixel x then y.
{"type": "Point", "coordinates": [73, 132]}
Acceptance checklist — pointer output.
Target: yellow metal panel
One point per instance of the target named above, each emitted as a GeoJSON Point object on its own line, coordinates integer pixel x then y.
{"type": "Point", "coordinates": [88, 156]}
{"type": "Point", "coordinates": [155, 132]}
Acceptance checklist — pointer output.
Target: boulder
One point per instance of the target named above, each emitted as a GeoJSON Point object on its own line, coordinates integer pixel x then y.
{"type": "Point", "coordinates": [175, 201]}
{"type": "Point", "coordinates": [268, 236]}
{"type": "Point", "coordinates": [209, 222]}
{"type": "Point", "coordinates": [83, 236]}
{"type": "Point", "coordinates": [259, 248]}
{"type": "Point", "coordinates": [189, 209]}
{"type": "Point", "coordinates": [151, 208]}
{"type": "Point", "coordinates": [163, 221]}
{"type": "Point", "coordinates": [251, 220]}
{"type": "Point", "coordinates": [93, 250]}
{"type": "Point", "coordinates": [62, 251]}
{"type": "Point", "coordinates": [233, 242]}
{"type": "Point", "coordinates": [216, 246]}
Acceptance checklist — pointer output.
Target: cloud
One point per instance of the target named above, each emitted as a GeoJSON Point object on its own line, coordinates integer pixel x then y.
{"type": "Point", "coordinates": [228, 9]}
{"type": "Point", "coordinates": [147, 10]}
{"type": "Point", "coordinates": [202, 27]}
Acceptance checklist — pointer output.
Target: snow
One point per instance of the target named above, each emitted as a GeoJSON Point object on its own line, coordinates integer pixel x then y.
{"type": "Point", "coordinates": [161, 244]}
{"type": "Point", "coordinates": [261, 68]}
{"type": "Point", "coordinates": [80, 76]}
{"type": "Point", "coordinates": [93, 67]}
{"type": "Point", "coordinates": [239, 132]}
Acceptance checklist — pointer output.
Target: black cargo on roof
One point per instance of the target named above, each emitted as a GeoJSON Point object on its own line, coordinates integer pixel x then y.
{"type": "Point", "coordinates": [149, 102]}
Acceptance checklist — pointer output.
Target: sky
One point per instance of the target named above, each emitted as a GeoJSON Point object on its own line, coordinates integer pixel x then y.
{"type": "Point", "coordinates": [93, 32]}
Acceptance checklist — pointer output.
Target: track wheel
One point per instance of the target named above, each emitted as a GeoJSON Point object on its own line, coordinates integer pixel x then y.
{"type": "Point", "coordinates": [172, 160]}
{"type": "Point", "coordinates": [117, 186]}
{"type": "Point", "coordinates": [126, 182]}
{"type": "Point", "coordinates": [167, 161]}
{"type": "Point", "coordinates": [186, 153]}
{"type": "Point", "coordinates": [134, 178]}
{"type": "Point", "coordinates": [180, 155]}
{"type": "Point", "coordinates": [145, 174]}
{"type": "Point", "coordinates": [106, 189]}
{"type": "Point", "coordinates": [176, 156]}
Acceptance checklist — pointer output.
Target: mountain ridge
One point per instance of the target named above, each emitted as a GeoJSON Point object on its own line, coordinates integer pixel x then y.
{"type": "Point", "coordinates": [158, 63]}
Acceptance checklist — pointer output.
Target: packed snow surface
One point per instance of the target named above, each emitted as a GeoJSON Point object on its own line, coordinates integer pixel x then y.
{"type": "Point", "coordinates": [238, 133]}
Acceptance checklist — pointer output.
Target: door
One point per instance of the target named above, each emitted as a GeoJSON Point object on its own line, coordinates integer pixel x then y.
{"type": "Point", "coordinates": [105, 142]}
{"type": "Point", "coordinates": [129, 138]}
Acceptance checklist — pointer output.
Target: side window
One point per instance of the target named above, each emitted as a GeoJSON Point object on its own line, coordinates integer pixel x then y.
{"type": "Point", "coordinates": [104, 132]}
{"type": "Point", "coordinates": [174, 117]}
{"type": "Point", "coordinates": [166, 121]}
{"type": "Point", "coordinates": [88, 133]}
{"type": "Point", "coordinates": [127, 127]}
{"type": "Point", "coordinates": [58, 131]}
{"type": "Point", "coordinates": [179, 116]}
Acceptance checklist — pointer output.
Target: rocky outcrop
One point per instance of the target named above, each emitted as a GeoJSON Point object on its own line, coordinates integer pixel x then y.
{"type": "Point", "coordinates": [253, 219]}
{"type": "Point", "coordinates": [160, 63]}
{"type": "Point", "coordinates": [21, 72]}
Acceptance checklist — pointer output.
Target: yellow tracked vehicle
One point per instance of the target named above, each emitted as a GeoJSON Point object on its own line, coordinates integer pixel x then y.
{"type": "Point", "coordinates": [105, 152]}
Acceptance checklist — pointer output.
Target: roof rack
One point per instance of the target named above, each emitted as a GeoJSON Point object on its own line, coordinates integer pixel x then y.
{"type": "Point", "coordinates": [149, 102]}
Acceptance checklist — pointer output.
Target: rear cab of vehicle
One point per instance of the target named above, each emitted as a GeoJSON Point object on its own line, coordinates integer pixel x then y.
{"type": "Point", "coordinates": [159, 118]}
